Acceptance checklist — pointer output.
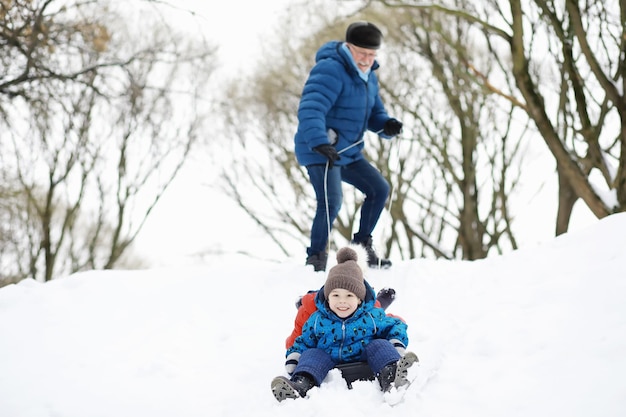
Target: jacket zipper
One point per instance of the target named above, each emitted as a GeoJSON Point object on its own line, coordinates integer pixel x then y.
{"type": "Point", "coordinates": [367, 102]}
{"type": "Point", "coordinates": [343, 339]}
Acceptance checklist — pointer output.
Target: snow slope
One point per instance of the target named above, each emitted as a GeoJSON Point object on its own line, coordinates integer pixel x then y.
{"type": "Point", "coordinates": [538, 332]}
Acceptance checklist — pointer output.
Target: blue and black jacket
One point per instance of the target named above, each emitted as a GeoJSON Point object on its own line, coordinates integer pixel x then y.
{"type": "Point", "coordinates": [345, 339]}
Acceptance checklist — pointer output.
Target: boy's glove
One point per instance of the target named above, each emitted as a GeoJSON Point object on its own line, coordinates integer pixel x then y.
{"type": "Point", "coordinates": [392, 127]}
{"type": "Point", "coordinates": [292, 361]}
{"type": "Point", "coordinates": [385, 297]}
{"type": "Point", "coordinates": [329, 152]}
{"type": "Point", "coordinates": [399, 346]}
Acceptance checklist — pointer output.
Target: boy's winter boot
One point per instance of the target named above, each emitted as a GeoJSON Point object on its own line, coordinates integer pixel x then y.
{"type": "Point", "coordinates": [386, 376]}
{"type": "Point", "coordinates": [373, 261]}
{"type": "Point", "coordinates": [396, 374]}
{"type": "Point", "coordinates": [296, 387]}
{"type": "Point", "coordinates": [402, 369]}
{"type": "Point", "coordinates": [318, 261]}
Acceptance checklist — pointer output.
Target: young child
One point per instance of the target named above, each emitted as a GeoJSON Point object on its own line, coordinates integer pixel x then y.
{"type": "Point", "coordinates": [345, 328]}
{"type": "Point", "coordinates": [306, 306]}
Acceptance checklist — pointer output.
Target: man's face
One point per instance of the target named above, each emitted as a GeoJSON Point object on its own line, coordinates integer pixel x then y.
{"type": "Point", "coordinates": [363, 57]}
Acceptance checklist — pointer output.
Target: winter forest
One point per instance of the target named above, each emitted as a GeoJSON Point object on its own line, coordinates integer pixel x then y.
{"type": "Point", "coordinates": [154, 218]}
{"type": "Point", "coordinates": [103, 104]}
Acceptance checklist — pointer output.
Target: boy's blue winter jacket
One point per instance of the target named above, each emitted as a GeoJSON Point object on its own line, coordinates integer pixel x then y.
{"type": "Point", "coordinates": [345, 339]}
{"type": "Point", "coordinates": [336, 97]}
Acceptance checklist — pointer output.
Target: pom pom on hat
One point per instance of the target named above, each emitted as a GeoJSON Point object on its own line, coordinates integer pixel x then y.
{"type": "Point", "coordinates": [364, 34]}
{"type": "Point", "coordinates": [347, 274]}
{"type": "Point", "coordinates": [346, 254]}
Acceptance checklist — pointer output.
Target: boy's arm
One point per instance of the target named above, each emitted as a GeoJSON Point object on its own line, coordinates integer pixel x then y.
{"type": "Point", "coordinates": [306, 340]}
{"type": "Point", "coordinates": [393, 329]}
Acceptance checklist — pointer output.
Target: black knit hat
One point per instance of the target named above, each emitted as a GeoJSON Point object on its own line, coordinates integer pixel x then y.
{"type": "Point", "coordinates": [346, 274]}
{"type": "Point", "coordinates": [364, 34]}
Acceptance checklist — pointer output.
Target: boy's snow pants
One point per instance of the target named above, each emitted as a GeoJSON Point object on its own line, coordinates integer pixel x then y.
{"type": "Point", "coordinates": [317, 363]}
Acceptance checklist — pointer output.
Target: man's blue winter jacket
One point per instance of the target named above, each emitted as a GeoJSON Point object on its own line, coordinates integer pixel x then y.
{"type": "Point", "coordinates": [336, 97]}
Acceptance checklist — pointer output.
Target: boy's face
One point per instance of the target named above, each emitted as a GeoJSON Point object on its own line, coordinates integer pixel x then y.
{"type": "Point", "coordinates": [343, 302]}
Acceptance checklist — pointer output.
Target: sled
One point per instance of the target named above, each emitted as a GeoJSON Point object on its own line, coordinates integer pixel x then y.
{"type": "Point", "coordinates": [361, 371]}
{"type": "Point", "coordinates": [355, 371]}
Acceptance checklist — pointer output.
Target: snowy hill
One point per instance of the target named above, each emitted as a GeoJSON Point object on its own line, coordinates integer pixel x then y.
{"type": "Point", "coordinates": [540, 332]}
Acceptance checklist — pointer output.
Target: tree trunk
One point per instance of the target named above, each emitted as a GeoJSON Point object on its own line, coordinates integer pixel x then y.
{"type": "Point", "coordinates": [567, 199]}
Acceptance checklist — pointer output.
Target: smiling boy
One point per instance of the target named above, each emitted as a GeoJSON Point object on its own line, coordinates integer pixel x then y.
{"type": "Point", "coordinates": [346, 328]}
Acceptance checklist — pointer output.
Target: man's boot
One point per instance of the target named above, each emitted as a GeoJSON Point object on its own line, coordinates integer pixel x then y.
{"type": "Point", "coordinates": [318, 261]}
{"type": "Point", "coordinates": [296, 387]}
{"type": "Point", "coordinates": [373, 261]}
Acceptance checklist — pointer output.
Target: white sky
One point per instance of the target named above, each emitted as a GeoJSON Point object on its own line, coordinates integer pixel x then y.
{"type": "Point", "coordinates": [236, 26]}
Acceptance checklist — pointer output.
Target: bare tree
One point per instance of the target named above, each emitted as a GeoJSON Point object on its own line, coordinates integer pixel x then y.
{"type": "Point", "coordinates": [99, 121]}
{"type": "Point", "coordinates": [466, 158]}
{"type": "Point", "coordinates": [566, 61]}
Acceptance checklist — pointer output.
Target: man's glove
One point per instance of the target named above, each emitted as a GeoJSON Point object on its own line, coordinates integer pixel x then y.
{"type": "Point", "coordinates": [292, 362]}
{"type": "Point", "coordinates": [392, 127]}
{"type": "Point", "coordinates": [329, 152]}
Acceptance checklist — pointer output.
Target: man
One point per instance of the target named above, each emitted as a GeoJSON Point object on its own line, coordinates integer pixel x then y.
{"type": "Point", "coordinates": [339, 102]}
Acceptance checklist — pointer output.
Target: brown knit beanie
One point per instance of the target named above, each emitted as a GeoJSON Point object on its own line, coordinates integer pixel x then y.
{"type": "Point", "coordinates": [346, 274]}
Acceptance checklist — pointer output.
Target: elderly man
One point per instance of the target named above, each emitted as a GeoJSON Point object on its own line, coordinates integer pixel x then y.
{"type": "Point", "coordinates": [339, 102]}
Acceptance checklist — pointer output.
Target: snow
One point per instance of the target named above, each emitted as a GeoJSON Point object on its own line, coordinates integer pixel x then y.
{"type": "Point", "coordinates": [537, 332]}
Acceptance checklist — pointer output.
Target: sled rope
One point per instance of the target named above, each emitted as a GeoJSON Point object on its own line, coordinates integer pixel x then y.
{"type": "Point", "coordinates": [328, 226]}
{"type": "Point", "coordinates": [392, 195]}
